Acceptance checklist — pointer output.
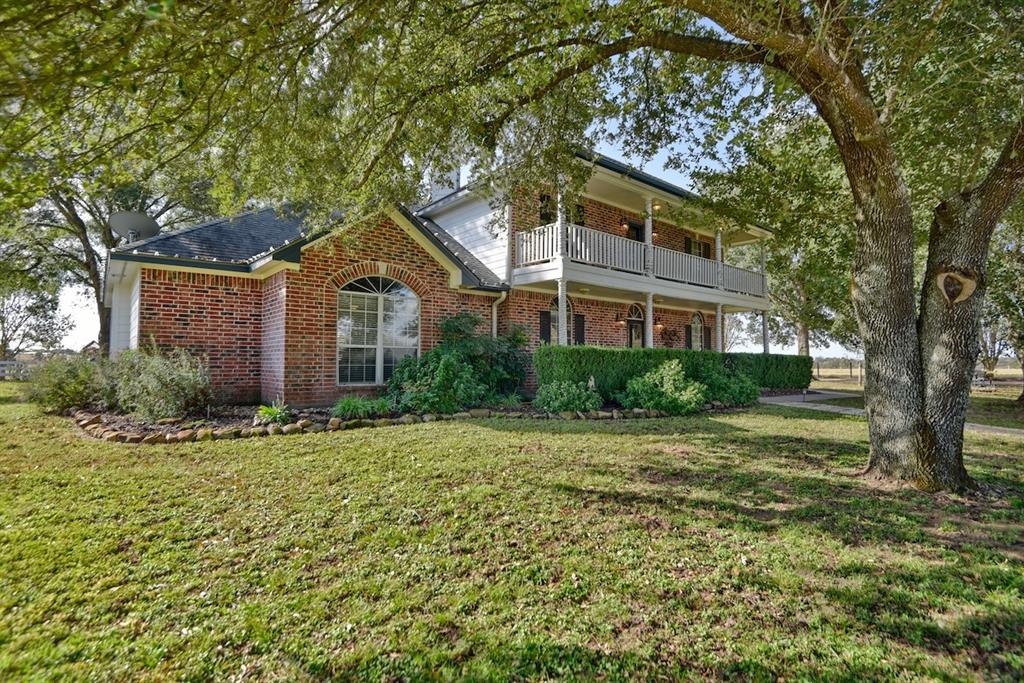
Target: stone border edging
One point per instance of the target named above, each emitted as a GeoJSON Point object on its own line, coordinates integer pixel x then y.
{"type": "Point", "coordinates": [93, 425]}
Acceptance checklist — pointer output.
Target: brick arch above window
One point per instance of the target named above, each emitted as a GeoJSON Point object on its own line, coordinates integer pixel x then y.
{"type": "Point", "coordinates": [379, 269]}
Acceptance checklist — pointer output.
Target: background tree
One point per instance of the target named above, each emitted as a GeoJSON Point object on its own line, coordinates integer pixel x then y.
{"type": "Point", "coordinates": [29, 317]}
{"type": "Point", "coordinates": [788, 179]}
{"type": "Point", "coordinates": [67, 229]}
{"type": "Point", "coordinates": [345, 106]}
{"type": "Point", "coordinates": [994, 342]}
{"type": "Point", "coordinates": [1007, 284]}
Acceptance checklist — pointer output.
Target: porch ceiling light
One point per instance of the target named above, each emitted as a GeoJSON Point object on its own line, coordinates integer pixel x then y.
{"type": "Point", "coordinates": [656, 206]}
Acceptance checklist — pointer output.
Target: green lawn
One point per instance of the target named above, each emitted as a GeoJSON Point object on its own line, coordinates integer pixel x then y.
{"type": "Point", "coordinates": [998, 407]}
{"type": "Point", "coordinates": [737, 545]}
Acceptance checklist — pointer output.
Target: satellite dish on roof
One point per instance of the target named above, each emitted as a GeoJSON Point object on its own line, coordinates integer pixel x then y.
{"type": "Point", "coordinates": [133, 225]}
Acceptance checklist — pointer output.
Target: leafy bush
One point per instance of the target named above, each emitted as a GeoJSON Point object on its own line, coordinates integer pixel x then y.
{"type": "Point", "coordinates": [276, 413]}
{"type": "Point", "coordinates": [357, 407]}
{"type": "Point", "coordinates": [440, 381]}
{"type": "Point", "coordinates": [466, 369]}
{"type": "Point", "coordinates": [612, 368]}
{"type": "Point", "coordinates": [498, 362]}
{"type": "Point", "coordinates": [62, 383]}
{"type": "Point", "coordinates": [729, 387]}
{"type": "Point", "coordinates": [558, 397]}
{"type": "Point", "coordinates": [665, 388]}
{"type": "Point", "coordinates": [152, 386]}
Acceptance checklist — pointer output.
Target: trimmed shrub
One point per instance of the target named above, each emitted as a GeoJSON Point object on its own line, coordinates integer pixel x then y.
{"type": "Point", "coordinates": [357, 407]}
{"type": "Point", "coordinates": [559, 397]}
{"type": "Point", "coordinates": [772, 370]}
{"type": "Point", "coordinates": [440, 381]}
{"type": "Point", "coordinates": [612, 368]}
{"type": "Point", "coordinates": [154, 386]}
{"type": "Point", "coordinates": [666, 388]}
{"type": "Point", "coordinates": [62, 383]}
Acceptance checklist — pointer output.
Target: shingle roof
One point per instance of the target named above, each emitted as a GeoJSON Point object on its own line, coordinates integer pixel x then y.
{"type": "Point", "coordinates": [239, 239]}
{"type": "Point", "coordinates": [484, 276]}
{"type": "Point", "coordinates": [236, 243]}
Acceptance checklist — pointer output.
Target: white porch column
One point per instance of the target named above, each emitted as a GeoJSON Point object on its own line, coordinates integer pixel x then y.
{"type": "Point", "coordinates": [764, 258]}
{"type": "Point", "coordinates": [563, 324]}
{"type": "Point", "coordinates": [648, 237]}
{"type": "Point", "coordinates": [764, 331]}
{"type": "Point", "coordinates": [560, 222]}
{"type": "Point", "coordinates": [720, 325]}
{"type": "Point", "coordinates": [649, 322]}
{"type": "Point", "coordinates": [718, 258]}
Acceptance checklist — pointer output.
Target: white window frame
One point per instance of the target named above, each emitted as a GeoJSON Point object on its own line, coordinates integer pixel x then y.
{"type": "Point", "coordinates": [697, 331]}
{"type": "Point", "coordinates": [379, 346]}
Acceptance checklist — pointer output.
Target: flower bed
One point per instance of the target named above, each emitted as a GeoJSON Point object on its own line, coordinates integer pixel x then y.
{"type": "Point", "coordinates": [227, 426]}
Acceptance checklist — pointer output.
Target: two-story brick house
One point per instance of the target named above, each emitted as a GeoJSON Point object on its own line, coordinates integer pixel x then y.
{"type": "Point", "coordinates": [279, 313]}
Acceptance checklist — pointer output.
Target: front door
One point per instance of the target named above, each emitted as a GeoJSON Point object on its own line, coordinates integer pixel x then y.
{"type": "Point", "coordinates": [634, 333]}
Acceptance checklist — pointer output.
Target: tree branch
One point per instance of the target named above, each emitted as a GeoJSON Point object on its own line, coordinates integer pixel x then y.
{"type": "Point", "coordinates": [1005, 181]}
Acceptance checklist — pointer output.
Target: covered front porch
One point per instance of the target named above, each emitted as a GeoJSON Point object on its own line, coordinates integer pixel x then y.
{"type": "Point", "coordinates": [600, 315]}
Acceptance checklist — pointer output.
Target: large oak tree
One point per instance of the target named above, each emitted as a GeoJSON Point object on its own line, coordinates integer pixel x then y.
{"type": "Point", "coordinates": [344, 105]}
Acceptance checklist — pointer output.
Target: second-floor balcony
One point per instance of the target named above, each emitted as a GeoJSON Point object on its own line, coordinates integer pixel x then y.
{"type": "Point", "coordinates": [604, 250]}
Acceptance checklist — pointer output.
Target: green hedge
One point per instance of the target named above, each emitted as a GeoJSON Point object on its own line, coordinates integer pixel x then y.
{"type": "Point", "coordinates": [611, 368]}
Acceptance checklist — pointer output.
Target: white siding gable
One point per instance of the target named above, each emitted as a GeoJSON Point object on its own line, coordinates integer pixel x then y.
{"type": "Point", "coordinates": [480, 228]}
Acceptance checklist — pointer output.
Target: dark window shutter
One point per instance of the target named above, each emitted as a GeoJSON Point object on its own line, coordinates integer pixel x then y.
{"type": "Point", "coordinates": [545, 327]}
{"type": "Point", "coordinates": [687, 245]}
{"type": "Point", "coordinates": [689, 336]}
{"type": "Point", "coordinates": [547, 210]}
{"type": "Point", "coordinates": [706, 248]}
{"type": "Point", "coordinates": [579, 329]}
{"type": "Point", "coordinates": [707, 338]}
{"type": "Point", "coordinates": [581, 215]}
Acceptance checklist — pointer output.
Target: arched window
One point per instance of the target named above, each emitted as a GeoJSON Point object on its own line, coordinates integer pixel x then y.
{"type": "Point", "coordinates": [555, 321]}
{"type": "Point", "coordinates": [697, 331]}
{"type": "Point", "coordinates": [635, 326]}
{"type": "Point", "coordinates": [378, 325]}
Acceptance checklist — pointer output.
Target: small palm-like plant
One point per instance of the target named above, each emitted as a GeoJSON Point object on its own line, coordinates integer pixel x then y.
{"type": "Point", "coordinates": [276, 413]}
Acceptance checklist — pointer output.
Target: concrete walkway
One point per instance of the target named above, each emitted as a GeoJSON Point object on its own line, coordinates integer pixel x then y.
{"type": "Point", "coordinates": [809, 402]}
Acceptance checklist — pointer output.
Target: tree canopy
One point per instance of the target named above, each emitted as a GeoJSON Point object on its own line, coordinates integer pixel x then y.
{"type": "Point", "coordinates": [347, 106]}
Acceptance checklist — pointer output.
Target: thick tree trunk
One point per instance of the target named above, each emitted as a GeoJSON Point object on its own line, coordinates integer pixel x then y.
{"type": "Point", "coordinates": [1021, 397]}
{"type": "Point", "coordinates": [952, 294]}
{"type": "Point", "coordinates": [803, 340]}
{"type": "Point", "coordinates": [104, 334]}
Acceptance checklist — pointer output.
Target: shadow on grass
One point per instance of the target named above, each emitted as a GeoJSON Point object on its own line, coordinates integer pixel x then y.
{"type": "Point", "coordinates": [546, 660]}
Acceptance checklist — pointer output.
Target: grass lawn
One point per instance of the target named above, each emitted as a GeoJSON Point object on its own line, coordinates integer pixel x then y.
{"type": "Point", "coordinates": [736, 545]}
{"type": "Point", "coordinates": [998, 407]}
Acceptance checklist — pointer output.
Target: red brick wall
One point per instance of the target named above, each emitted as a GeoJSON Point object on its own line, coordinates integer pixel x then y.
{"type": "Point", "coordinates": [217, 317]}
{"type": "Point", "coordinates": [272, 360]}
{"type": "Point", "coordinates": [383, 248]}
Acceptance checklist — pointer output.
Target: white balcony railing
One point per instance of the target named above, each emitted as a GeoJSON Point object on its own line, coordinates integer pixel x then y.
{"type": "Point", "coordinates": [742, 280]}
{"type": "Point", "coordinates": [681, 267]}
{"type": "Point", "coordinates": [597, 248]}
{"type": "Point", "coordinates": [537, 245]}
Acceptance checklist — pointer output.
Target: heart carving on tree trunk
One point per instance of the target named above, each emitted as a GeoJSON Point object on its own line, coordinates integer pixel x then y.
{"type": "Point", "coordinates": [955, 286]}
